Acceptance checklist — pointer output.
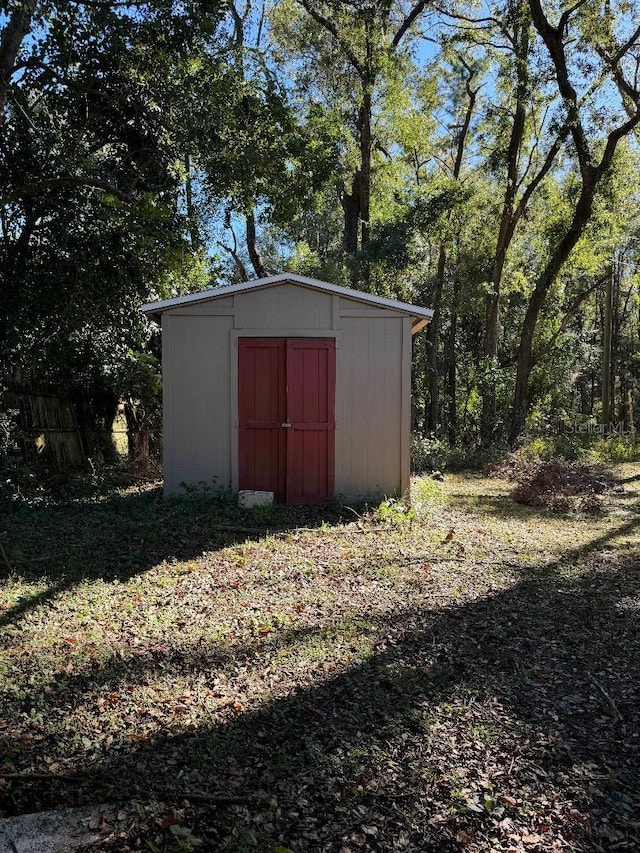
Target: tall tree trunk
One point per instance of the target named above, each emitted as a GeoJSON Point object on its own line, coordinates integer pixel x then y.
{"type": "Point", "coordinates": [607, 339]}
{"type": "Point", "coordinates": [254, 255]}
{"type": "Point", "coordinates": [364, 127]}
{"type": "Point", "coordinates": [351, 208]}
{"type": "Point", "coordinates": [526, 361]}
{"type": "Point", "coordinates": [451, 360]}
{"type": "Point", "coordinates": [433, 411]}
{"type": "Point", "coordinates": [508, 220]}
{"type": "Point", "coordinates": [356, 204]}
{"type": "Point", "coordinates": [194, 234]}
{"type": "Point", "coordinates": [13, 34]}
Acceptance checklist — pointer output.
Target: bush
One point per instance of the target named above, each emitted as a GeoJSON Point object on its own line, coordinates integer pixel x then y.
{"type": "Point", "coordinates": [429, 454]}
{"type": "Point", "coordinates": [436, 454]}
{"type": "Point", "coordinates": [615, 448]}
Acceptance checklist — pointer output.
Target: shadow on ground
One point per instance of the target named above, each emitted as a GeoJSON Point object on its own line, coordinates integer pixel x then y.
{"type": "Point", "coordinates": [514, 713]}
{"type": "Point", "coordinates": [115, 538]}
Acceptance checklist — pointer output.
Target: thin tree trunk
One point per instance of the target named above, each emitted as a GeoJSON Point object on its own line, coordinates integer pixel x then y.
{"type": "Point", "coordinates": [433, 417]}
{"type": "Point", "coordinates": [254, 255]}
{"type": "Point", "coordinates": [364, 126]}
{"type": "Point", "coordinates": [194, 234]}
{"type": "Point", "coordinates": [606, 350]}
{"type": "Point", "coordinates": [451, 359]}
{"type": "Point", "coordinates": [13, 34]}
{"type": "Point", "coordinates": [508, 220]}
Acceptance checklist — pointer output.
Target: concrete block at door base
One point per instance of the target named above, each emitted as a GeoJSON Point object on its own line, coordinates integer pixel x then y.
{"type": "Point", "coordinates": [250, 498]}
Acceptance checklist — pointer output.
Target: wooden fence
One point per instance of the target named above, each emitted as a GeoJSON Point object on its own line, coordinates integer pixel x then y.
{"type": "Point", "coordinates": [50, 429]}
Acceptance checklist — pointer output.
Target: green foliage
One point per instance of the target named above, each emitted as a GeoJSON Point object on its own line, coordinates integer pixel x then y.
{"type": "Point", "coordinates": [134, 136]}
{"type": "Point", "coordinates": [426, 492]}
{"type": "Point", "coordinates": [394, 512]}
{"type": "Point", "coordinates": [615, 448]}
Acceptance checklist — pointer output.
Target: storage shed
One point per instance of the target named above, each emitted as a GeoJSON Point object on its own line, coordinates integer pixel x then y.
{"type": "Point", "coordinates": [290, 385]}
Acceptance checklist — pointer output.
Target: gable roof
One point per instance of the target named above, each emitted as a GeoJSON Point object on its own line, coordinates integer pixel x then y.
{"type": "Point", "coordinates": [420, 316]}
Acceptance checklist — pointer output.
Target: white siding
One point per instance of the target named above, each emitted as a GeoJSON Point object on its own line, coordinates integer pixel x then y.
{"type": "Point", "coordinates": [369, 407]}
{"type": "Point", "coordinates": [196, 376]}
{"type": "Point", "coordinates": [211, 308]}
{"type": "Point", "coordinates": [286, 306]}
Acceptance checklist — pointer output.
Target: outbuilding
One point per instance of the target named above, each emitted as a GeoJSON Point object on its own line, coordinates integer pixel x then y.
{"type": "Point", "coordinates": [290, 385]}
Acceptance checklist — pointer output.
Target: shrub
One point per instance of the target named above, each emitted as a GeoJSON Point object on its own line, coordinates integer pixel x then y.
{"type": "Point", "coordinates": [429, 454]}
{"type": "Point", "coordinates": [426, 492]}
{"type": "Point", "coordinates": [615, 448]}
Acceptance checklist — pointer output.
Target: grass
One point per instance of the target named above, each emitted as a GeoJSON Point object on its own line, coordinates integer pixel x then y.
{"type": "Point", "coordinates": [463, 675]}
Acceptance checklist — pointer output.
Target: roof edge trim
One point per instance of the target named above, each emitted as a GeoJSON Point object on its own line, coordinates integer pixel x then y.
{"type": "Point", "coordinates": [155, 309]}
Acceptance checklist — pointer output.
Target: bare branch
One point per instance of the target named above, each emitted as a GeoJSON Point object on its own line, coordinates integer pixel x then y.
{"type": "Point", "coordinates": [240, 267]}
{"type": "Point", "coordinates": [552, 37]}
{"type": "Point", "coordinates": [233, 250]}
{"type": "Point", "coordinates": [413, 15]}
{"type": "Point", "coordinates": [111, 4]}
{"type": "Point", "coordinates": [564, 18]}
{"type": "Point", "coordinates": [330, 27]}
{"type": "Point", "coordinates": [630, 42]}
{"type": "Point", "coordinates": [552, 153]}
{"type": "Point", "coordinates": [490, 21]}
{"type": "Point", "coordinates": [628, 91]}
{"type": "Point", "coordinates": [571, 311]}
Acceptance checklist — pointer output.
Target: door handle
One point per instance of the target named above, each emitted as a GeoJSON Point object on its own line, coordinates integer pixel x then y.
{"type": "Point", "coordinates": [286, 425]}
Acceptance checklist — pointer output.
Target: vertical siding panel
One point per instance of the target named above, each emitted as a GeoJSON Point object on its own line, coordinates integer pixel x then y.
{"type": "Point", "coordinates": [197, 417]}
{"type": "Point", "coordinates": [377, 381]}
{"type": "Point", "coordinates": [405, 407]}
{"type": "Point", "coordinates": [360, 413]}
{"type": "Point", "coordinates": [393, 399]}
{"type": "Point", "coordinates": [344, 384]}
{"type": "Point", "coordinates": [369, 406]}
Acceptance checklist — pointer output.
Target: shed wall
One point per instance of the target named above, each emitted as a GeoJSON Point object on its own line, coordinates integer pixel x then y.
{"type": "Point", "coordinates": [372, 384]}
{"type": "Point", "coordinates": [286, 306]}
{"type": "Point", "coordinates": [197, 426]}
{"type": "Point", "coordinates": [368, 406]}
{"type": "Point", "coordinates": [210, 308]}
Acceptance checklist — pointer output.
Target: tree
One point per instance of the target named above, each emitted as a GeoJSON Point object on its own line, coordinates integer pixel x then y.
{"type": "Point", "coordinates": [364, 36]}
{"type": "Point", "coordinates": [581, 35]}
{"type": "Point", "coordinates": [462, 126]}
{"type": "Point", "coordinates": [90, 198]}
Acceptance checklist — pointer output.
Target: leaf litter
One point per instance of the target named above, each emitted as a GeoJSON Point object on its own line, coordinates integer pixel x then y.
{"type": "Point", "coordinates": [463, 678]}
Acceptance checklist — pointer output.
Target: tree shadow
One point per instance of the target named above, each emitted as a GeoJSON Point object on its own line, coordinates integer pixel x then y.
{"type": "Point", "coordinates": [61, 544]}
{"type": "Point", "coordinates": [500, 506]}
{"type": "Point", "coordinates": [533, 690]}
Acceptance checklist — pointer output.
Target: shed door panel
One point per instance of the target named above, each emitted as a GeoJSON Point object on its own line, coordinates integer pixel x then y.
{"type": "Point", "coordinates": [311, 413]}
{"type": "Point", "coordinates": [286, 405]}
{"type": "Point", "coordinates": [262, 409]}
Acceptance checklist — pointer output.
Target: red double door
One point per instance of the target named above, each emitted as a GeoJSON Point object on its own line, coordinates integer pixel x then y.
{"type": "Point", "coordinates": [286, 413]}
